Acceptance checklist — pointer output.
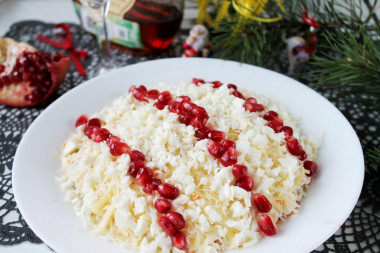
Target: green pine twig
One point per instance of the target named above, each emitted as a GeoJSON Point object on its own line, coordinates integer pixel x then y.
{"type": "Point", "coordinates": [355, 63]}
{"type": "Point", "coordinates": [256, 42]}
{"type": "Point", "coordinates": [375, 155]}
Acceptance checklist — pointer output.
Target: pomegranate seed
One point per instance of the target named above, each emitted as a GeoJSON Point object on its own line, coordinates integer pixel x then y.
{"type": "Point", "coordinates": [179, 240]}
{"type": "Point", "coordinates": [118, 148]}
{"type": "Point", "coordinates": [216, 84]}
{"type": "Point", "coordinates": [5, 80]}
{"type": "Point", "coordinates": [157, 182]}
{"type": "Point", "coordinates": [239, 171]}
{"type": "Point", "coordinates": [175, 107]}
{"type": "Point", "coordinates": [112, 139]}
{"type": "Point", "coordinates": [215, 149]}
{"type": "Point", "coordinates": [2, 68]}
{"type": "Point", "coordinates": [136, 155]}
{"type": "Point", "coordinates": [187, 106]}
{"type": "Point", "coordinates": [167, 225]}
{"type": "Point", "coordinates": [311, 166]}
{"type": "Point", "coordinates": [94, 122]}
{"type": "Point", "coordinates": [101, 134]}
{"type": "Point", "coordinates": [266, 225]}
{"type": "Point", "coordinates": [229, 157]}
{"type": "Point", "coordinates": [168, 191]}
{"type": "Point", "coordinates": [216, 135]}
{"type": "Point", "coordinates": [177, 219]}
{"type": "Point", "coordinates": [36, 95]}
{"type": "Point", "coordinates": [199, 111]}
{"type": "Point", "coordinates": [276, 124]}
{"type": "Point", "coordinates": [152, 186]}
{"type": "Point", "coordinates": [140, 93]}
{"type": "Point", "coordinates": [135, 167]}
{"type": "Point", "coordinates": [258, 108]}
{"type": "Point", "coordinates": [159, 105]}
{"type": "Point", "coordinates": [132, 88]}
{"type": "Point", "coordinates": [82, 120]}
{"type": "Point", "coordinates": [294, 147]}
{"type": "Point", "coordinates": [199, 121]}
{"type": "Point", "coordinates": [164, 98]}
{"type": "Point", "coordinates": [249, 102]}
{"type": "Point", "coordinates": [226, 144]}
{"type": "Point", "coordinates": [232, 86]}
{"type": "Point", "coordinates": [162, 205]}
{"type": "Point", "coordinates": [153, 94]}
{"type": "Point", "coordinates": [89, 131]}
{"type": "Point", "coordinates": [144, 176]}
{"type": "Point", "coordinates": [185, 118]}
{"type": "Point", "coordinates": [261, 203]}
{"type": "Point", "coordinates": [237, 94]}
{"type": "Point", "coordinates": [201, 133]}
{"type": "Point", "coordinates": [246, 183]}
{"type": "Point", "coordinates": [270, 115]}
{"type": "Point", "coordinates": [198, 81]}
{"type": "Point", "coordinates": [143, 89]}
{"type": "Point", "coordinates": [302, 156]}
{"type": "Point", "coordinates": [182, 99]}
{"type": "Point", "coordinates": [251, 105]}
{"type": "Point", "coordinates": [16, 77]}
{"type": "Point", "coordinates": [288, 132]}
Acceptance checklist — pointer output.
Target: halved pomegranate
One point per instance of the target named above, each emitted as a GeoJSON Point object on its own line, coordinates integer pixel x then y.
{"type": "Point", "coordinates": [29, 77]}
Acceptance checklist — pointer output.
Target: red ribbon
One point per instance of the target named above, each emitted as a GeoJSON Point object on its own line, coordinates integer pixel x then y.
{"type": "Point", "coordinates": [67, 44]}
{"type": "Point", "coordinates": [310, 21]}
{"type": "Point", "coordinates": [313, 39]}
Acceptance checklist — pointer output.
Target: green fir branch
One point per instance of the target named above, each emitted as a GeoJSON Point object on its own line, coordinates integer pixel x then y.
{"type": "Point", "coordinates": [241, 39]}
{"type": "Point", "coordinates": [355, 63]}
{"type": "Point", "coordinates": [253, 43]}
{"type": "Point", "coordinates": [375, 155]}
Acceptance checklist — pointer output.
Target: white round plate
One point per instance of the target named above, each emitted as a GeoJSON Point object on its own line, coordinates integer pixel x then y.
{"type": "Point", "coordinates": [331, 197]}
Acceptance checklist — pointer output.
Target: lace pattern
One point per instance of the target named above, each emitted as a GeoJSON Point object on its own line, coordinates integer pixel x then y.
{"type": "Point", "coordinates": [360, 233]}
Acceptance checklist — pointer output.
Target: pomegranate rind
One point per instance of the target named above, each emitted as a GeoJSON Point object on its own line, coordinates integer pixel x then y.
{"type": "Point", "coordinates": [14, 94]}
{"type": "Point", "coordinates": [58, 70]}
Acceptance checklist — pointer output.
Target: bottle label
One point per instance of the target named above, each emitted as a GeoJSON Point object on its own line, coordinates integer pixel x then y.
{"type": "Point", "coordinates": [120, 31]}
{"type": "Point", "coordinates": [119, 7]}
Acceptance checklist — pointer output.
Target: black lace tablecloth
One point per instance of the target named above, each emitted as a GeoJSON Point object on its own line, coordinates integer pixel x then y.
{"type": "Point", "coordinates": [360, 233]}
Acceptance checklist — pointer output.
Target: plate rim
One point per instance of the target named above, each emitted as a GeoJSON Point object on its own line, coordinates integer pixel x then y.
{"type": "Point", "coordinates": [87, 83]}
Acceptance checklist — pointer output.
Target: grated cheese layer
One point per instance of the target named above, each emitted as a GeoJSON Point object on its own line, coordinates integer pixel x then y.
{"type": "Point", "coordinates": [218, 215]}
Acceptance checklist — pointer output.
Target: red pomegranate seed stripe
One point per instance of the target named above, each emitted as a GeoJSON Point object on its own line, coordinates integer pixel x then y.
{"type": "Point", "coordinates": [172, 222]}
{"type": "Point", "coordinates": [274, 122]}
{"type": "Point", "coordinates": [191, 114]}
{"type": "Point", "coordinates": [219, 147]}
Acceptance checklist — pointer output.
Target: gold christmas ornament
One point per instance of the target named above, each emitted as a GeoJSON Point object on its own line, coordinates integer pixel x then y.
{"type": "Point", "coordinates": [249, 9]}
{"type": "Point", "coordinates": [252, 9]}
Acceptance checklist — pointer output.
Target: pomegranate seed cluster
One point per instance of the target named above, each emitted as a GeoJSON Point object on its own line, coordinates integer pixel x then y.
{"type": "Point", "coordinates": [172, 222]}
{"type": "Point", "coordinates": [218, 146]}
{"type": "Point", "coordinates": [274, 122]}
{"type": "Point", "coordinates": [31, 68]}
{"type": "Point", "coordinates": [208, 172]}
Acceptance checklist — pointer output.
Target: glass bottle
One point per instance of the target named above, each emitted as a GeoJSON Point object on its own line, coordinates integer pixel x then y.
{"type": "Point", "coordinates": [139, 26]}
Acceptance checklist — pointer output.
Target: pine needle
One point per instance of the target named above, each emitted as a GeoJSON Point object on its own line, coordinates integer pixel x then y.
{"type": "Point", "coordinates": [375, 155]}
{"type": "Point", "coordinates": [355, 63]}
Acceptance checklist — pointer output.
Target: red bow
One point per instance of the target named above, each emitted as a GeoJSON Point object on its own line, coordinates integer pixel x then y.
{"type": "Point", "coordinates": [67, 44]}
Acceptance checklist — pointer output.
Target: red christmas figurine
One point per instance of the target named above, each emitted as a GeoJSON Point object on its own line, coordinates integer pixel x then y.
{"type": "Point", "coordinates": [298, 49]}
{"type": "Point", "coordinates": [197, 44]}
